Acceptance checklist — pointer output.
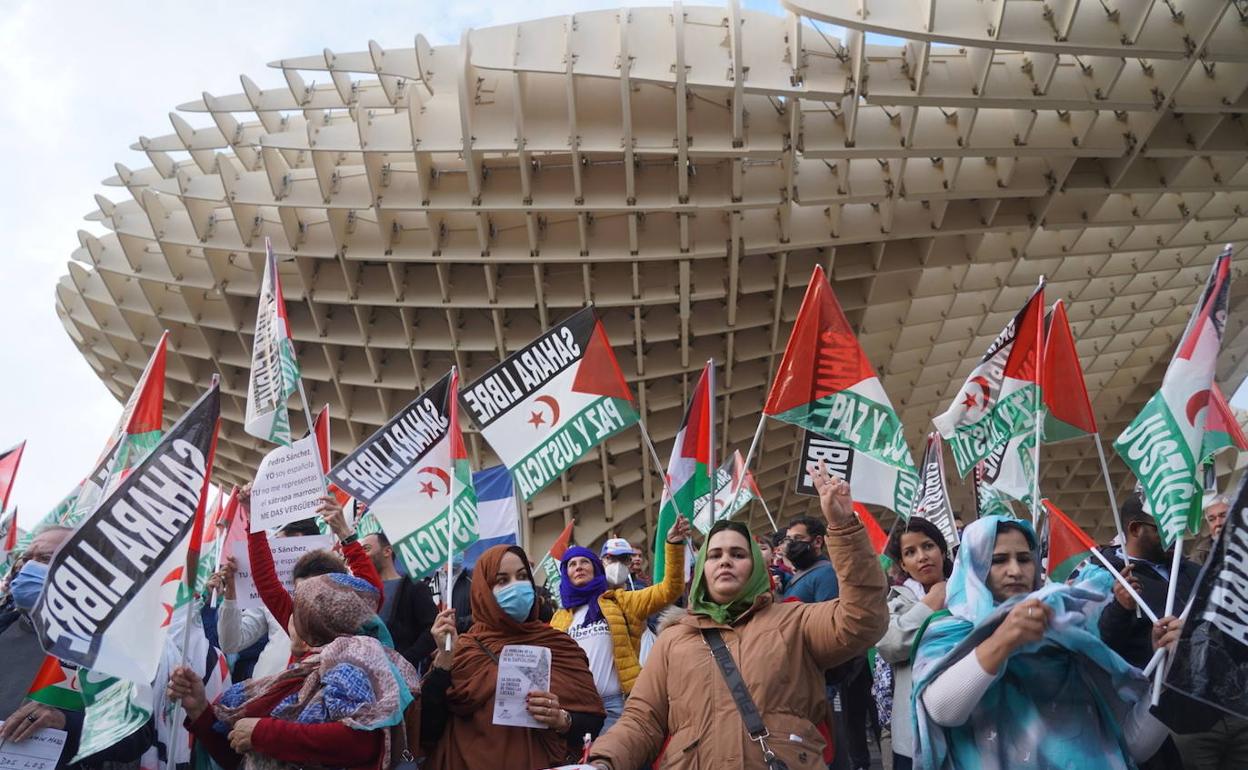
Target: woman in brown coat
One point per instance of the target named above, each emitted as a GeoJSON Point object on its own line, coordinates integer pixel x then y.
{"type": "Point", "coordinates": [781, 651]}
{"type": "Point", "coordinates": [457, 697]}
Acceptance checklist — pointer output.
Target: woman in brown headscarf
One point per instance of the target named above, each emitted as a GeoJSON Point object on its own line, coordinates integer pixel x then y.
{"type": "Point", "coordinates": [457, 696]}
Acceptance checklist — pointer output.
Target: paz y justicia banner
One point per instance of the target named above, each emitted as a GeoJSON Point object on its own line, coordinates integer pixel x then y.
{"type": "Point", "coordinates": [405, 473]}
{"type": "Point", "coordinates": [106, 602]}
{"type": "Point", "coordinates": [551, 402]}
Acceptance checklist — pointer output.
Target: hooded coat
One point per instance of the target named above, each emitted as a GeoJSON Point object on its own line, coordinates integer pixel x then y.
{"type": "Point", "coordinates": [682, 693]}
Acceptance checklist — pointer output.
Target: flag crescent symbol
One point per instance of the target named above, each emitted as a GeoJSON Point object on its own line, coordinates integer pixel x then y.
{"type": "Point", "coordinates": [554, 408]}
{"type": "Point", "coordinates": [984, 385]}
{"type": "Point", "coordinates": [441, 474]}
{"type": "Point", "coordinates": [1198, 401]}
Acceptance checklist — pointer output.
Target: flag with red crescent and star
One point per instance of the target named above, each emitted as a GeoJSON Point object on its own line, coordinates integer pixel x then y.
{"type": "Point", "coordinates": [548, 404]}
{"type": "Point", "coordinates": [998, 403]}
{"type": "Point", "coordinates": [410, 473]}
{"type": "Point", "coordinates": [1164, 445]}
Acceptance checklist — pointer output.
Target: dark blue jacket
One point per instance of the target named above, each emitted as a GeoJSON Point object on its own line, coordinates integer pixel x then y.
{"type": "Point", "coordinates": [817, 584]}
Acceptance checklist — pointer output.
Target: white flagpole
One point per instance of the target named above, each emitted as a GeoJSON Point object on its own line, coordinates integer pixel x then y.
{"type": "Point", "coordinates": [710, 410]}
{"type": "Point", "coordinates": [661, 468]}
{"type": "Point", "coordinates": [1171, 591]}
{"type": "Point", "coordinates": [316, 441]}
{"type": "Point", "coordinates": [450, 530]}
{"type": "Point", "coordinates": [1035, 462]}
{"type": "Point", "coordinates": [1109, 487]}
{"type": "Point", "coordinates": [745, 467]}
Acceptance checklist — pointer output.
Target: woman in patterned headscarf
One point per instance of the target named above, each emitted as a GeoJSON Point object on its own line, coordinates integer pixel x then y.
{"type": "Point", "coordinates": [1013, 674]}
{"type": "Point", "coordinates": [342, 705]}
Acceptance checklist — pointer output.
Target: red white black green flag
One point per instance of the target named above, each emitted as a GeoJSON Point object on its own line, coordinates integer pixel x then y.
{"type": "Point", "coordinates": [827, 385]}
{"type": "Point", "coordinates": [274, 370]}
{"type": "Point", "coordinates": [1163, 445]}
{"type": "Point", "coordinates": [689, 469]}
{"type": "Point", "coordinates": [409, 474]}
{"type": "Point", "coordinates": [998, 402]}
{"type": "Point", "coordinates": [548, 404]}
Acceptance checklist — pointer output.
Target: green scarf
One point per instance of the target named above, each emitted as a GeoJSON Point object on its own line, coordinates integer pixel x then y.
{"type": "Point", "coordinates": [700, 602]}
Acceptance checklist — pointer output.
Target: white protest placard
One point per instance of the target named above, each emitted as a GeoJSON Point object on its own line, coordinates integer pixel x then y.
{"type": "Point", "coordinates": [522, 669]}
{"type": "Point", "coordinates": [286, 551]}
{"type": "Point", "coordinates": [288, 486]}
{"type": "Point", "coordinates": [40, 751]}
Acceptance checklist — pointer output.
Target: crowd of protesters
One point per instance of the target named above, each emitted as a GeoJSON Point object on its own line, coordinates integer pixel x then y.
{"type": "Point", "coordinates": [794, 650]}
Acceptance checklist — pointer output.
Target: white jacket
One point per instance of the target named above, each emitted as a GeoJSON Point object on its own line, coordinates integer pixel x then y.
{"type": "Point", "coordinates": [239, 629]}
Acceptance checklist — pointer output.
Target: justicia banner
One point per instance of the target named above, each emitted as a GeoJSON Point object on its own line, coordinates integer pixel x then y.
{"type": "Point", "coordinates": [551, 402]}
{"type": "Point", "coordinates": [405, 473]}
{"type": "Point", "coordinates": [107, 599]}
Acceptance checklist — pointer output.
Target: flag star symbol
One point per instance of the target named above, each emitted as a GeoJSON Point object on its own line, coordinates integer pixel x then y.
{"type": "Point", "coordinates": [427, 488]}
{"type": "Point", "coordinates": [536, 420]}
{"type": "Point", "coordinates": [969, 402]}
{"type": "Point", "coordinates": [168, 614]}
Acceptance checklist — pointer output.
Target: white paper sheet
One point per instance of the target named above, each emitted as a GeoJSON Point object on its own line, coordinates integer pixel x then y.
{"type": "Point", "coordinates": [522, 669]}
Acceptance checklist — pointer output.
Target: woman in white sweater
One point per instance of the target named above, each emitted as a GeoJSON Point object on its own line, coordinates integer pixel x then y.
{"type": "Point", "coordinates": [921, 564]}
{"type": "Point", "coordinates": [1016, 675]}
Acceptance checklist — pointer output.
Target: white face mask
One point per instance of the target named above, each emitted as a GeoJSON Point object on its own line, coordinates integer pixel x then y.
{"type": "Point", "coordinates": [617, 573]}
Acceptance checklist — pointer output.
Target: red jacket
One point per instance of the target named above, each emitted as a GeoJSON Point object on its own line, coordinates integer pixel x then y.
{"type": "Point", "coordinates": [274, 594]}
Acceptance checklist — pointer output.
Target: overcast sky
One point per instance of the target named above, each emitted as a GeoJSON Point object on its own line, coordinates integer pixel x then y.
{"type": "Point", "coordinates": [82, 81]}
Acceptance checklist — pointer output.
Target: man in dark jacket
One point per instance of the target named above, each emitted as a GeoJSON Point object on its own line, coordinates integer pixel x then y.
{"type": "Point", "coordinates": [1145, 562]}
{"type": "Point", "coordinates": [407, 606]}
{"type": "Point", "coordinates": [22, 658]}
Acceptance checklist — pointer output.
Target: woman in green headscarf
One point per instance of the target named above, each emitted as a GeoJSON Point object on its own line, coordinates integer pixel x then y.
{"type": "Point", "coordinates": [781, 651]}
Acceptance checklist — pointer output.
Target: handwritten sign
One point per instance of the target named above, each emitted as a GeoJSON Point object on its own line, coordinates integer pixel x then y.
{"type": "Point", "coordinates": [288, 486]}
{"type": "Point", "coordinates": [40, 751]}
{"type": "Point", "coordinates": [522, 669]}
{"type": "Point", "coordinates": [286, 552]}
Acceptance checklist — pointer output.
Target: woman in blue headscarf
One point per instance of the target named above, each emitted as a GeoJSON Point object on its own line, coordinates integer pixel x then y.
{"type": "Point", "coordinates": [1015, 674]}
{"type": "Point", "coordinates": [607, 621]}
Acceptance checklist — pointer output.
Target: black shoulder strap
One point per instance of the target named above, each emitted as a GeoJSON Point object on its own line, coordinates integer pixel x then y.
{"type": "Point", "coordinates": [741, 696]}
{"type": "Point", "coordinates": [486, 650]}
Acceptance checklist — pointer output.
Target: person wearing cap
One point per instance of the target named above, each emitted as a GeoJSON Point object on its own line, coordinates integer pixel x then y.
{"type": "Point", "coordinates": [608, 621]}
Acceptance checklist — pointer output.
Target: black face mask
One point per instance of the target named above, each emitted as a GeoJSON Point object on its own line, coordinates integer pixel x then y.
{"type": "Point", "coordinates": [801, 554]}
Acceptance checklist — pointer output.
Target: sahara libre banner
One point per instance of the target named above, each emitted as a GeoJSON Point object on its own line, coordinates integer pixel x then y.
{"type": "Point", "coordinates": [551, 402]}
{"type": "Point", "coordinates": [104, 605]}
{"type": "Point", "coordinates": [405, 473]}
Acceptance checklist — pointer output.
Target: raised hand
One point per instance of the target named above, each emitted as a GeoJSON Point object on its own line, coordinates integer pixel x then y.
{"type": "Point", "coordinates": [834, 499]}
{"type": "Point", "coordinates": [679, 531]}
{"type": "Point", "coordinates": [331, 513]}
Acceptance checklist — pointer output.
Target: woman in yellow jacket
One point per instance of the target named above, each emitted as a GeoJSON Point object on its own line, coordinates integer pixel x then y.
{"type": "Point", "coordinates": [608, 622]}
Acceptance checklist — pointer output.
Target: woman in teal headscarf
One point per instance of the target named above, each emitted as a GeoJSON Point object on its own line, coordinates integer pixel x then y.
{"type": "Point", "coordinates": [1015, 675]}
{"type": "Point", "coordinates": [781, 651]}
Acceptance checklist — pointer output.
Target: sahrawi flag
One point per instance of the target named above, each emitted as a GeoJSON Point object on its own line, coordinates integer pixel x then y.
{"type": "Point", "coordinates": [1162, 445]}
{"type": "Point", "coordinates": [547, 405]}
{"type": "Point", "coordinates": [1222, 429]}
{"type": "Point", "coordinates": [734, 489]}
{"type": "Point", "coordinates": [1067, 408]}
{"type": "Point", "coordinates": [993, 417]}
{"type": "Point", "coordinates": [932, 501]}
{"type": "Point", "coordinates": [105, 603]}
{"type": "Point", "coordinates": [137, 431]}
{"type": "Point", "coordinates": [689, 469]}
{"type": "Point", "coordinates": [274, 370]}
{"type": "Point", "coordinates": [406, 473]}
{"type": "Point", "coordinates": [826, 384]}
{"type": "Point", "coordinates": [549, 565]}
{"type": "Point", "coordinates": [1068, 544]}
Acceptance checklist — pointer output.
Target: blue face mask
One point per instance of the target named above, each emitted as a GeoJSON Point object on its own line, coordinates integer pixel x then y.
{"type": "Point", "coordinates": [28, 584]}
{"type": "Point", "coordinates": [516, 599]}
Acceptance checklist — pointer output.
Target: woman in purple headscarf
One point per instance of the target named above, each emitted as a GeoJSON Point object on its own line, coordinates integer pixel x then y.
{"type": "Point", "coordinates": [607, 621]}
